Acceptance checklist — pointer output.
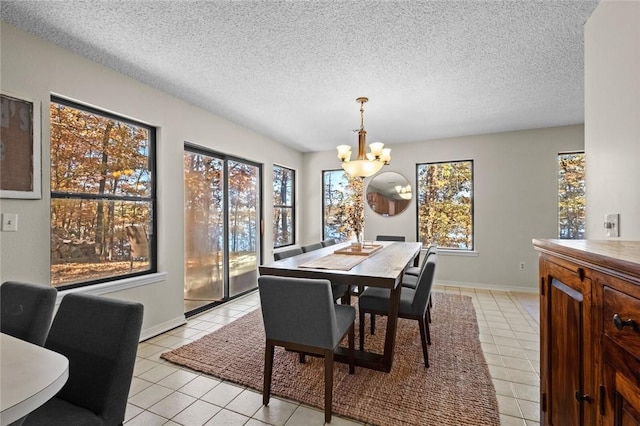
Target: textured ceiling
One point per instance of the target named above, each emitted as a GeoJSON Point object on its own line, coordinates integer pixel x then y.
{"type": "Point", "coordinates": [292, 70]}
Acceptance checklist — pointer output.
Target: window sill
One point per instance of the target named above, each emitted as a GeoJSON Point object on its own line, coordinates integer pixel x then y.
{"type": "Point", "coordinates": [113, 286]}
{"type": "Point", "coordinates": [461, 253]}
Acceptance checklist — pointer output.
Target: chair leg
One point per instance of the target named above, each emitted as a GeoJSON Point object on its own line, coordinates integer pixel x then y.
{"type": "Point", "coordinates": [352, 355]}
{"type": "Point", "coordinates": [346, 298]}
{"type": "Point", "coordinates": [428, 330]}
{"type": "Point", "coordinates": [328, 384]}
{"type": "Point", "coordinates": [423, 337]}
{"type": "Point", "coordinates": [268, 369]}
{"type": "Point", "coordinates": [301, 357]}
{"type": "Point", "coordinates": [429, 310]}
{"type": "Point", "coordinates": [361, 329]}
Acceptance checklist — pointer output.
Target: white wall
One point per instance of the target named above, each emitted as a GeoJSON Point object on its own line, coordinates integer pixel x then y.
{"type": "Point", "coordinates": [33, 68]}
{"type": "Point", "coordinates": [515, 200]}
{"type": "Point", "coordinates": [612, 117]}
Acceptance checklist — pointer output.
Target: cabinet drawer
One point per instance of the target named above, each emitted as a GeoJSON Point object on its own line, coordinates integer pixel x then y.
{"type": "Point", "coordinates": [621, 316]}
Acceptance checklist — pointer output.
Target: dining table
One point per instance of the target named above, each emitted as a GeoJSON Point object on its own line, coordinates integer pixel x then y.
{"type": "Point", "coordinates": [30, 375]}
{"type": "Point", "coordinates": [380, 264]}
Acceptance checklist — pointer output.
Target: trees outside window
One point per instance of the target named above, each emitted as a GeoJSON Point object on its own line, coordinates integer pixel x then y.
{"type": "Point", "coordinates": [571, 196]}
{"type": "Point", "coordinates": [445, 204]}
{"type": "Point", "coordinates": [284, 212]}
{"type": "Point", "coordinates": [342, 205]}
{"type": "Point", "coordinates": [102, 196]}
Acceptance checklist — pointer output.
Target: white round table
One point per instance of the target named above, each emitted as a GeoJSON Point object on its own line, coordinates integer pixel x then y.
{"type": "Point", "coordinates": [30, 375]}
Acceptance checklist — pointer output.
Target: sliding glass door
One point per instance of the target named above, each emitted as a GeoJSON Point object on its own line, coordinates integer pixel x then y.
{"type": "Point", "coordinates": [222, 227]}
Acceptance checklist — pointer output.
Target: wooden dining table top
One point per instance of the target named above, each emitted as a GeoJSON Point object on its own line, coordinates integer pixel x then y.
{"type": "Point", "coordinates": [383, 268]}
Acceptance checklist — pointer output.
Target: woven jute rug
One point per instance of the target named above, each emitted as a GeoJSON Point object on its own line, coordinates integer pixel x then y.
{"type": "Point", "coordinates": [455, 390]}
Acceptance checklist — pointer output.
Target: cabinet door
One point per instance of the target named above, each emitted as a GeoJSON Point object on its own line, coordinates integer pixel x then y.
{"type": "Point", "coordinates": [565, 354]}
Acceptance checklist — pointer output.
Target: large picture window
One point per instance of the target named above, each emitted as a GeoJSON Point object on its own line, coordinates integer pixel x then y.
{"type": "Point", "coordinates": [445, 204]}
{"type": "Point", "coordinates": [284, 213]}
{"type": "Point", "coordinates": [102, 196]}
{"type": "Point", "coordinates": [342, 205]}
{"type": "Point", "coordinates": [571, 196]}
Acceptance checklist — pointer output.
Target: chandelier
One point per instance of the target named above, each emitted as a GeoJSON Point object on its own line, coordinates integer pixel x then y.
{"type": "Point", "coordinates": [365, 164]}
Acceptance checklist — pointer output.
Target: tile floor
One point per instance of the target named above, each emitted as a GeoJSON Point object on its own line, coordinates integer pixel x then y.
{"type": "Point", "coordinates": [165, 394]}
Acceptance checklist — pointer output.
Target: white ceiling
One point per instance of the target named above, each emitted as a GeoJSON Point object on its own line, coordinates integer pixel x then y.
{"type": "Point", "coordinates": [292, 70]}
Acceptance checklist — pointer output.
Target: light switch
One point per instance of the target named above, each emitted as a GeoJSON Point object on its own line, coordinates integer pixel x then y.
{"type": "Point", "coordinates": [9, 222]}
{"type": "Point", "coordinates": [611, 224]}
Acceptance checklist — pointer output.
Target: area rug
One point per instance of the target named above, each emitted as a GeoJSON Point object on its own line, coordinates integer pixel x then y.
{"type": "Point", "coordinates": [455, 390]}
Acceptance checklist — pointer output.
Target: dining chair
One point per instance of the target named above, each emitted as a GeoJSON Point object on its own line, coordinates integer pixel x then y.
{"type": "Point", "coordinates": [413, 304]}
{"type": "Point", "coordinates": [340, 291]}
{"type": "Point", "coordinates": [329, 242]}
{"type": "Point", "coordinates": [27, 310]}
{"type": "Point", "coordinates": [311, 247]}
{"type": "Point", "coordinates": [415, 270]}
{"type": "Point", "coordinates": [299, 315]}
{"type": "Point", "coordinates": [100, 338]}
{"type": "Point", "coordinates": [287, 253]}
{"type": "Point", "coordinates": [390, 238]}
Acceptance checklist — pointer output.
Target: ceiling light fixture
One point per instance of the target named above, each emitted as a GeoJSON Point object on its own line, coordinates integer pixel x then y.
{"type": "Point", "coordinates": [404, 191]}
{"type": "Point", "coordinates": [365, 164]}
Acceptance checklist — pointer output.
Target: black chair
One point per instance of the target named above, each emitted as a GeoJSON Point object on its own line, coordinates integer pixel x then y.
{"type": "Point", "coordinates": [390, 238]}
{"type": "Point", "coordinates": [311, 247]}
{"type": "Point", "coordinates": [27, 310]}
{"type": "Point", "coordinates": [100, 338]}
{"type": "Point", "coordinates": [287, 253]}
{"type": "Point", "coordinates": [413, 304]}
{"type": "Point", "coordinates": [415, 270]}
{"type": "Point", "coordinates": [329, 242]}
{"type": "Point", "coordinates": [299, 315]}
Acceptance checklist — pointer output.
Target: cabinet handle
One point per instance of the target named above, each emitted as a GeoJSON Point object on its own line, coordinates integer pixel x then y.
{"type": "Point", "coordinates": [582, 397]}
{"type": "Point", "coordinates": [620, 323]}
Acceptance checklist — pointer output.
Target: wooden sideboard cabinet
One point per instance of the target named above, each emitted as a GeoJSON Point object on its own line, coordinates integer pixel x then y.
{"type": "Point", "coordinates": [589, 332]}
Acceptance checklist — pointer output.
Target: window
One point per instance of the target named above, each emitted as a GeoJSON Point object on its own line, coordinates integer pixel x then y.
{"type": "Point", "coordinates": [102, 196]}
{"type": "Point", "coordinates": [342, 205]}
{"type": "Point", "coordinates": [571, 196]}
{"type": "Point", "coordinates": [445, 204]}
{"type": "Point", "coordinates": [284, 212]}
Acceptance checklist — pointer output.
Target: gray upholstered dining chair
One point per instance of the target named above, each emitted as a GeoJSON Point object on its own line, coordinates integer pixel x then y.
{"type": "Point", "coordinates": [329, 242]}
{"type": "Point", "coordinates": [340, 291]}
{"type": "Point", "coordinates": [415, 270]}
{"type": "Point", "coordinates": [299, 314]}
{"type": "Point", "coordinates": [27, 310]}
{"type": "Point", "coordinates": [311, 247]}
{"type": "Point", "coordinates": [100, 337]}
{"type": "Point", "coordinates": [390, 238]}
{"type": "Point", "coordinates": [413, 304]}
{"type": "Point", "coordinates": [287, 253]}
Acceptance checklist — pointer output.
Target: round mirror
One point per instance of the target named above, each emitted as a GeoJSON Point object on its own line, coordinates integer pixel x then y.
{"type": "Point", "coordinates": [389, 193]}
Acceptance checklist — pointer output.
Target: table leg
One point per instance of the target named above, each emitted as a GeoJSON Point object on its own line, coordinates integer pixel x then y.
{"type": "Point", "coordinates": [392, 324]}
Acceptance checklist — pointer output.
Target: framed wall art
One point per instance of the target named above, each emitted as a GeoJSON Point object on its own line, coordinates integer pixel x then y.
{"type": "Point", "coordinates": [20, 173]}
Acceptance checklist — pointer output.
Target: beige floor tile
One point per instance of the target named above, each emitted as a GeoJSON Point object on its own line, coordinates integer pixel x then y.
{"type": "Point", "coordinates": [530, 410]}
{"type": "Point", "coordinates": [222, 394]}
{"type": "Point", "coordinates": [512, 352]}
{"type": "Point", "coordinates": [227, 418]}
{"type": "Point", "coordinates": [524, 377]}
{"type": "Point", "coordinates": [307, 416]}
{"type": "Point", "coordinates": [517, 363]}
{"type": "Point", "coordinates": [527, 392]}
{"type": "Point", "coordinates": [150, 396]}
{"type": "Point", "coordinates": [511, 421]}
{"type": "Point", "coordinates": [277, 412]}
{"type": "Point", "coordinates": [147, 418]}
{"type": "Point", "coordinates": [177, 379]}
{"type": "Point", "coordinates": [196, 414]}
{"type": "Point", "coordinates": [246, 403]}
{"type": "Point", "coordinates": [508, 406]}
{"type": "Point", "coordinates": [503, 387]}
{"type": "Point", "coordinates": [172, 405]}
{"type": "Point", "coordinates": [157, 373]}
{"type": "Point", "coordinates": [199, 386]}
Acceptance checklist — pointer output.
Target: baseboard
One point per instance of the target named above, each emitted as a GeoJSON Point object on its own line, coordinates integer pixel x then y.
{"type": "Point", "coordinates": [484, 286]}
{"type": "Point", "coordinates": [148, 333]}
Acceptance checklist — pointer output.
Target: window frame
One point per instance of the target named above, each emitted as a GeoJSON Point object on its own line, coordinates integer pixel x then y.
{"type": "Point", "coordinates": [292, 206]}
{"type": "Point", "coordinates": [151, 198]}
{"type": "Point", "coordinates": [472, 247]}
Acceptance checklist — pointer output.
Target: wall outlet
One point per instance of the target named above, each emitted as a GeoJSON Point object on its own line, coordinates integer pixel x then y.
{"type": "Point", "coordinates": [522, 266]}
{"type": "Point", "coordinates": [9, 222]}
{"type": "Point", "coordinates": [612, 224]}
